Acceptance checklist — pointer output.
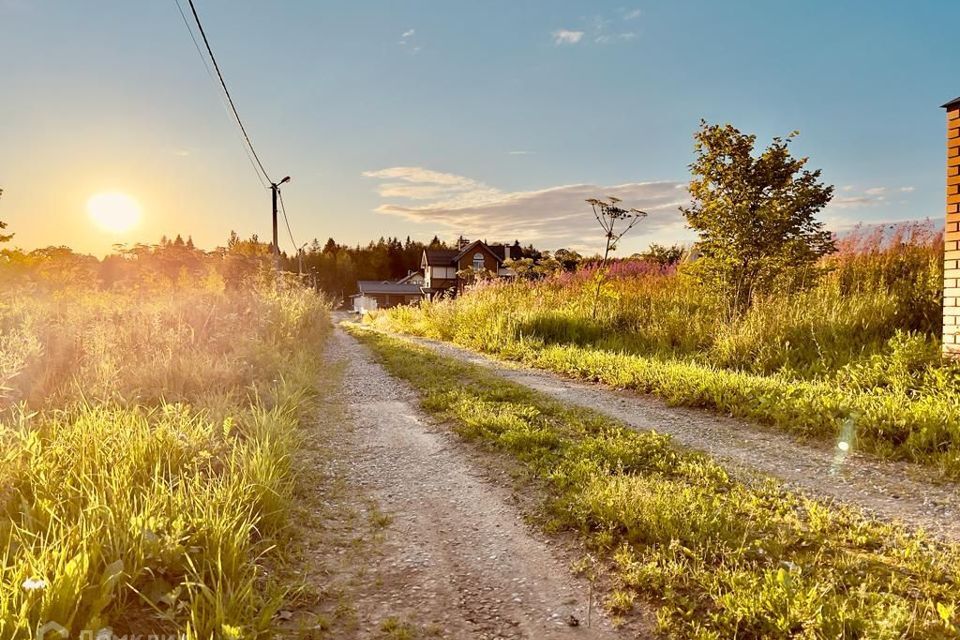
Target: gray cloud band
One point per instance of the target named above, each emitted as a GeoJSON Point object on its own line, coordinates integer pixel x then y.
{"type": "Point", "coordinates": [558, 216]}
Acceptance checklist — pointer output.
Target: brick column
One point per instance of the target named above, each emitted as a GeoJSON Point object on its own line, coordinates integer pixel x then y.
{"type": "Point", "coordinates": [951, 265]}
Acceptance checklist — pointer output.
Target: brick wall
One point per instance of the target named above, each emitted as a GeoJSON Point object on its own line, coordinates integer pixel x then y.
{"type": "Point", "coordinates": [489, 262]}
{"type": "Point", "coordinates": [951, 271]}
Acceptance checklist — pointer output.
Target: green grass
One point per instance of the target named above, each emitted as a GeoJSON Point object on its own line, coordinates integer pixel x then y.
{"type": "Point", "coordinates": [396, 629]}
{"type": "Point", "coordinates": [145, 468]}
{"type": "Point", "coordinates": [717, 557]}
{"type": "Point", "coordinates": [887, 419]}
{"type": "Point", "coordinates": [858, 351]}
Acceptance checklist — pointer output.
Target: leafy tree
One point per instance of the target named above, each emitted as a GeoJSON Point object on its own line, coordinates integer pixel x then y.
{"type": "Point", "coordinates": [663, 256]}
{"type": "Point", "coordinates": [471, 275]}
{"type": "Point", "coordinates": [755, 214]}
{"type": "Point", "coordinates": [530, 269]}
{"type": "Point", "coordinates": [3, 225]}
{"type": "Point", "coordinates": [568, 259]}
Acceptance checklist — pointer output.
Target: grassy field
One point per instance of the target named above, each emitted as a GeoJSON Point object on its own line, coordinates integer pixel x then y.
{"type": "Point", "coordinates": [145, 444]}
{"type": "Point", "coordinates": [716, 557]}
{"type": "Point", "coordinates": [856, 352]}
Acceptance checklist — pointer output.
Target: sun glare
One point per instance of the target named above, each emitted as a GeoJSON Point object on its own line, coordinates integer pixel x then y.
{"type": "Point", "coordinates": [114, 212]}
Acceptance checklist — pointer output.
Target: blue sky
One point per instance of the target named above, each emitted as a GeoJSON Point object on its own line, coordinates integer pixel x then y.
{"type": "Point", "coordinates": [492, 119]}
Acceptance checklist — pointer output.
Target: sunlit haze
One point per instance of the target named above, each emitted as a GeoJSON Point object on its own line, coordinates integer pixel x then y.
{"type": "Point", "coordinates": [472, 319]}
{"type": "Point", "coordinates": [411, 118]}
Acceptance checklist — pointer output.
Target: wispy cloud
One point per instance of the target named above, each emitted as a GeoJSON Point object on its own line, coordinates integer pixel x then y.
{"type": "Point", "coordinates": [557, 216]}
{"type": "Point", "coordinates": [609, 38]}
{"type": "Point", "coordinates": [854, 199]}
{"type": "Point", "coordinates": [407, 40]}
{"type": "Point", "coordinates": [599, 29]}
{"type": "Point", "coordinates": [566, 36]}
{"type": "Point", "coordinates": [852, 202]}
{"type": "Point", "coordinates": [520, 153]}
{"type": "Point", "coordinates": [858, 197]}
{"type": "Point", "coordinates": [553, 217]}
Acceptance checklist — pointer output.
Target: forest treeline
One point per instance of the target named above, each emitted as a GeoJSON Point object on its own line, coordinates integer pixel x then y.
{"type": "Point", "coordinates": [335, 268]}
{"type": "Point", "coordinates": [331, 267]}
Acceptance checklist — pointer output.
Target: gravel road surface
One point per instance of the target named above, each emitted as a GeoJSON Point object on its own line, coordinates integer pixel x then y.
{"type": "Point", "coordinates": [890, 490]}
{"type": "Point", "coordinates": [457, 557]}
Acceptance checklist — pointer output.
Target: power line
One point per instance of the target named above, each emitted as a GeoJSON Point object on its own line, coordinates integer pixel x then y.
{"type": "Point", "coordinates": [233, 107]}
{"type": "Point", "coordinates": [206, 65]}
{"type": "Point", "coordinates": [286, 222]}
{"type": "Point", "coordinates": [251, 152]}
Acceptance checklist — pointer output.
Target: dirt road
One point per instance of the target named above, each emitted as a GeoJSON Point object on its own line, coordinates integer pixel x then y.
{"type": "Point", "coordinates": [456, 559]}
{"type": "Point", "coordinates": [889, 490]}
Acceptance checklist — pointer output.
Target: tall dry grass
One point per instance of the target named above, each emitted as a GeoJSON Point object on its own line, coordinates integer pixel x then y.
{"type": "Point", "coordinates": [144, 456]}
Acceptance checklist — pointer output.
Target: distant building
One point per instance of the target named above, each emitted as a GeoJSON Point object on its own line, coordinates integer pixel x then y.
{"type": "Point", "coordinates": [376, 294]}
{"type": "Point", "coordinates": [414, 277]}
{"type": "Point", "coordinates": [442, 267]}
{"type": "Point", "coordinates": [440, 274]}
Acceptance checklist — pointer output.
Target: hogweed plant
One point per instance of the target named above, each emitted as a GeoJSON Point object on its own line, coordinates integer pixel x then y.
{"type": "Point", "coordinates": [609, 214]}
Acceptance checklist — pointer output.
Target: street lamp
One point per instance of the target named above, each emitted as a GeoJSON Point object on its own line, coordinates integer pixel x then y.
{"type": "Point", "coordinates": [275, 189]}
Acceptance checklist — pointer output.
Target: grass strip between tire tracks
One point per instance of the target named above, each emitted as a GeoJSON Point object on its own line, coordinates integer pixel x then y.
{"type": "Point", "coordinates": [718, 557]}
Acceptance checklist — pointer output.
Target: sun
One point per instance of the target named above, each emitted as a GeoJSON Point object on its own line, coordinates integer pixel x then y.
{"type": "Point", "coordinates": [114, 211]}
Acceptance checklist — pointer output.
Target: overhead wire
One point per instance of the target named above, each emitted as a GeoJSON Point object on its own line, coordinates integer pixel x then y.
{"type": "Point", "coordinates": [286, 222]}
{"type": "Point", "coordinates": [226, 91]}
{"type": "Point", "coordinates": [206, 65]}
{"type": "Point", "coordinates": [249, 149]}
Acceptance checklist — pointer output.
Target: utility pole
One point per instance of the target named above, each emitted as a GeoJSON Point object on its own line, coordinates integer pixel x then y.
{"type": "Point", "coordinates": [275, 191]}
{"type": "Point", "coordinates": [300, 259]}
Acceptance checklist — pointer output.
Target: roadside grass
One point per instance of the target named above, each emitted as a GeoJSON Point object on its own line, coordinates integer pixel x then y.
{"type": "Point", "coordinates": [856, 352]}
{"type": "Point", "coordinates": [888, 421]}
{"type": "Point", "coordinates": [396, 629]}
{"type": "Point", "coordinates": [145, 469]}
{"type": "Point", "coordinates": [718, 557]}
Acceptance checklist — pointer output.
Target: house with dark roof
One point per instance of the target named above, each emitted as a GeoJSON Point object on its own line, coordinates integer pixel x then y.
{"type": "Point", "coordinates": [442, 272]}
{"type": "Point", "coordinates": [444, 269]}
{"type": "Point", "coordinates": [383, 294]}
{"type": "Point", "coordinates": [413, 277]}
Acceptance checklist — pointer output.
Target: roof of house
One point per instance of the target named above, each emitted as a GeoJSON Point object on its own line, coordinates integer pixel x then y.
{"type": "Point", "coordinates": [386, 287]}
{"type": "Point", "coordinates": [501, 251]}
{"type": "Point", "coordinates": [410, 276]}
{"type": "Point", "coordinates": [447, 257]}
{"type": "Point", "coordinates": [440, 257]}
{"type": "Point", "coordinates": [953, 103]}
{"type": "Point", "coordinates": [475, 245]}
